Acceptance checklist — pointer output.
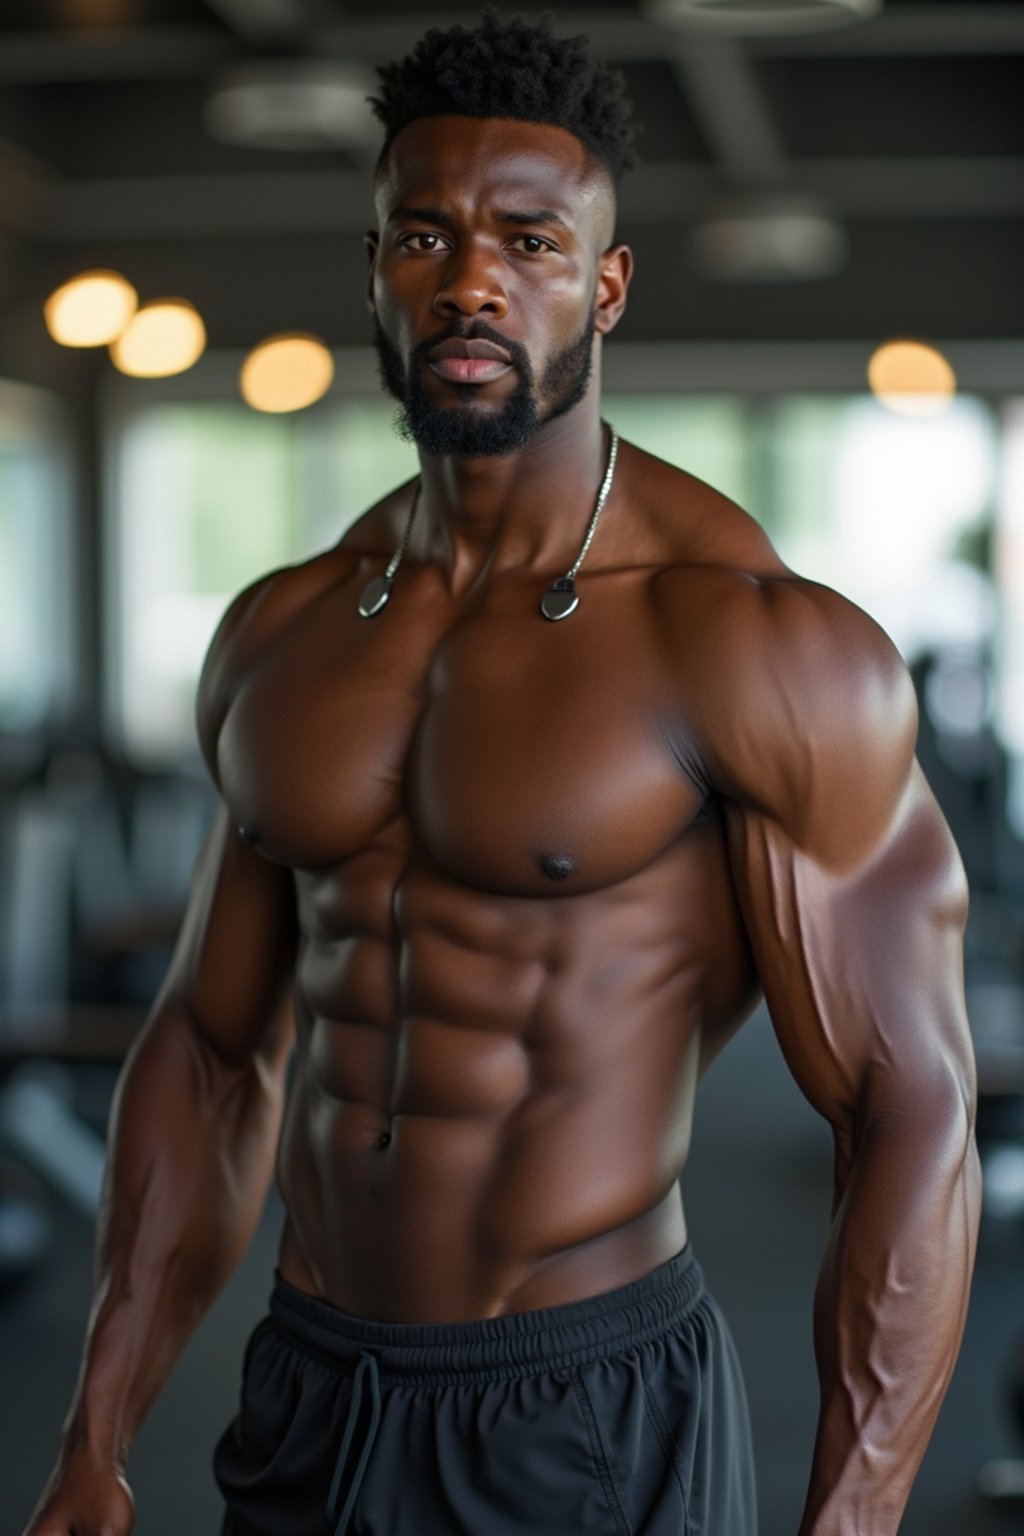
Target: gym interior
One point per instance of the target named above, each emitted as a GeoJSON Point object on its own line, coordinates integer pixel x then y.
{"type": "Point", "coordinates": [826, 325]}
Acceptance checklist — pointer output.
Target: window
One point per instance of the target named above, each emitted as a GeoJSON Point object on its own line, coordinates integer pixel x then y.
{"type": "Point", "coordinates": [35, 560]}
{"type": "Point", "coordinates": [892, 511]}
{"type": "Point", "coordinates": [210, 496]}
{"type": "Point", "coordinates": [708, 435]}
{"type": "Point", "coordinates": [1010, 568]}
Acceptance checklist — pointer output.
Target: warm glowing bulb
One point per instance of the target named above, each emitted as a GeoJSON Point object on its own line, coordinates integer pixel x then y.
{"type": "Point", "coordinates": [911, 378]}
{"type": "Point", "coordinates": [90, 310]}
{"type": "Point", "coordinates": [286, 373]}
{"type": "Point", "coordinates": [165, 337]}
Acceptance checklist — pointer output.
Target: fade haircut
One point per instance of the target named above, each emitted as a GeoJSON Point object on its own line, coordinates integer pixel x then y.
{"type": "Point", "coordinates": [511, 68]}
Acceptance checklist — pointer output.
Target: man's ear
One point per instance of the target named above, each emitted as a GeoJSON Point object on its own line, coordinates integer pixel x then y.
{"type": "Point", "coordinates": [372, 242]}
{"type": "Point", "coordinates": [613, 274]}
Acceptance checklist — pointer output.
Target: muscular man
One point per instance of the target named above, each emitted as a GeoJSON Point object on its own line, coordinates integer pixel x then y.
{"type": "Point", "coordinates": [503, 857]}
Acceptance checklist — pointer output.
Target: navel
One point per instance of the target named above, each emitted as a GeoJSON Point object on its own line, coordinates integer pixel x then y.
{"type": "Point", "coordinates": [557, 866]}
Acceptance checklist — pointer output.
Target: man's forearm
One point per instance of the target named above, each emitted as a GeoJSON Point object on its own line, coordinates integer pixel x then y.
{"type": "Point", "coordinates": [192, 1146]}
{"type": "Point", "coordinates": [889, 1313]}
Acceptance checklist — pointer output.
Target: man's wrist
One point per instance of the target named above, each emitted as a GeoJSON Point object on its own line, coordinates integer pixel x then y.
{"type": "Point", "coordinates": [94, 1435]}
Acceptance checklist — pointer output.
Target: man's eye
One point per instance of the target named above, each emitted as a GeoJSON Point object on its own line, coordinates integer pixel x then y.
{"type": "Point", "coordinates": [427, 241]}
{"type": "Point", "coordinates": [532, 244]}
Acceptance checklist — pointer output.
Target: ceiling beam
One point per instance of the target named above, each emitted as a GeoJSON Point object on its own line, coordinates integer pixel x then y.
{"type": "Point", "coordinates": [960, 187]}
{"type": "Point", "coordinates": [336, 201]}
{"type": "Point", "coordinates": [44, 58]}
{"type": "Point", "coordinates": [925, 30]}
{"type": "Point", "coordinates": [201, 207]}
{"type": "Point", "coordinates": [54, 58]}
{"type": "Point", "coordinates": [961, 29]}
{"type": "Point", "coordinates": [719, 83]}
{"type": "Point", "coordinates": [680, 367]}
{"type": "Point", "coordinates": [257, 21]}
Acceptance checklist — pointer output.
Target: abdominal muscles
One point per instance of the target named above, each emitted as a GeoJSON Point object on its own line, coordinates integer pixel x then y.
{"type": "Point", "coordinates": [483, 1084]}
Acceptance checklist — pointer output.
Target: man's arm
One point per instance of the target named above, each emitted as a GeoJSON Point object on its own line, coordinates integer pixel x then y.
{"type": "Point", "coordinates": [193, 1134]}
{"type": "Point", "coordinates": [854, 898]}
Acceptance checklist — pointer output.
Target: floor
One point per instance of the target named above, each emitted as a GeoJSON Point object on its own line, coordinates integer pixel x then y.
{"type": "Point", "coordinates": [757, 1191]}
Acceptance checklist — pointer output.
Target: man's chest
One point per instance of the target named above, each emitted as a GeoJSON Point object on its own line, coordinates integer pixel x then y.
{"type": "Point", "coordinates": [518, 754]}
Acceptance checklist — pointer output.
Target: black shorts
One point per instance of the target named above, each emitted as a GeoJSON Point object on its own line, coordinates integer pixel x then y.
{"type": "Point", "coordinates": [620, 1415]}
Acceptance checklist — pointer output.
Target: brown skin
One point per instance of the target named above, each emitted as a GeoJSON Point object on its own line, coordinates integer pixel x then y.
{"type": "Point", "coordinates": [495, 1069]}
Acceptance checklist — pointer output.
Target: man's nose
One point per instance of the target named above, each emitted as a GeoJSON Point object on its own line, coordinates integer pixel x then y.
{"type": "Point", "coordinates": [471, 286]}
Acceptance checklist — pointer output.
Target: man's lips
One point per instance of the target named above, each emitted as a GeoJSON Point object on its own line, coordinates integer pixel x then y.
{"type": "Point", "coordinates": [469, 362]}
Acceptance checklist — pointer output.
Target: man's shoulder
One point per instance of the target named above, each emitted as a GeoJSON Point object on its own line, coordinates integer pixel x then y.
{"type": "Point", "coordinates": [783, 625]}
{"type": "Point", "coordinates": [783, 687]}
{"type": "Point", "coordinates": [718, 580]}
{"type": "Point", "coordinates": [808, 712]}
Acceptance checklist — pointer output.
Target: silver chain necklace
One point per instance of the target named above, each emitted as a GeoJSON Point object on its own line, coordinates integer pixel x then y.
{"type": "Point", "coordinates": [558, 601]}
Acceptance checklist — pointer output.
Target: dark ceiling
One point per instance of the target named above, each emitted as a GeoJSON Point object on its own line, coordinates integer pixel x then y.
{"type": "Point", "coordinates": [909, 126]}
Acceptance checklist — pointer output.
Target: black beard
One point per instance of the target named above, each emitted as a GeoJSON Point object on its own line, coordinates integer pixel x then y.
{"type": "Point", "coordinates": [463, 433]}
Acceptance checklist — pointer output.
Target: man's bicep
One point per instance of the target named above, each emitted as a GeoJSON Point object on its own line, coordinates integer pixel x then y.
{"type": "Point", "coordinates": [861, 962]}
{"type": "Point", "coordinates": [234, 959]}
{"type": "Point", "coordinates": [842, 860]}
{"type": "Point", "coordinates": [233, 963]}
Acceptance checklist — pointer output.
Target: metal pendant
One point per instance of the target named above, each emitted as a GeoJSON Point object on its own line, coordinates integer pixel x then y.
{"type": "Point", "coordinates": [375, 596]}
{"type": "Point", "coordinates": [560, 599]}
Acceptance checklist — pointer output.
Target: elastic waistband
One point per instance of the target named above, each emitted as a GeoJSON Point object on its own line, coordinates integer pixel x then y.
{"type": "Point", "coordinates": [495, 1348]}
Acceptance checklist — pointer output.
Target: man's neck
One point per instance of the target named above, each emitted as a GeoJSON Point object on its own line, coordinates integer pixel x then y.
{"type": "Point", "coordinates": [519, 511]}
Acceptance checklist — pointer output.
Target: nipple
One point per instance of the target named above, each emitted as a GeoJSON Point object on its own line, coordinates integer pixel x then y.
{"type": "Point", "coordinates": [248, 833]}
{"type": "Point", "coordinates": [556, 865]}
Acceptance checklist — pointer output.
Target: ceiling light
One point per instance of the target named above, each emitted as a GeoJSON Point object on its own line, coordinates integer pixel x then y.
{"type": "Point", "coordinates": [165, 337]}
{"type": "Point", "coordinates": [90, 310]}
{"type": "Point", "coordinates": [767, 237]}
{"type": "Point", "coordinates": [296, 104]}
{"type": "Point", "coordinates": [763, 16]}
{"type": "Point", "coordinates": [911, 378]}
{"type": "Point", "coordinates": [286, 373]}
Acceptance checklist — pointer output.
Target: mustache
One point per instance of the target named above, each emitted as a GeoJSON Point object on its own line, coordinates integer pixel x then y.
{"type": "Point", "coordinates": [477, 330]}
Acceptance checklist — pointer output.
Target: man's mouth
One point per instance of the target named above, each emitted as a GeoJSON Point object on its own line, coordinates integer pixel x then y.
{"type": "Point", "coordinates": [469, 362]}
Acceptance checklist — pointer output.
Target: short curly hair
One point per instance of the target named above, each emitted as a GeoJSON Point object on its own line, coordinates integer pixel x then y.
{"type": "Point", "coordinates": [510, 67]}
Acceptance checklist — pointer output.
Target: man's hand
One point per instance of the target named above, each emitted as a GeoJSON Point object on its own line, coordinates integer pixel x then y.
{"type": "Point", "coordinates": [83, 1497]}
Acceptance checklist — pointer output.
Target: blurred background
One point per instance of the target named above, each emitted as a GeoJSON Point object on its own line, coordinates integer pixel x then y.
{"type": "Point", "coordinates": [826, 324]}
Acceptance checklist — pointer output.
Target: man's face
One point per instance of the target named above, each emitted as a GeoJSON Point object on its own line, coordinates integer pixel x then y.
{"type": "Point", "coordinates": [490, 275]}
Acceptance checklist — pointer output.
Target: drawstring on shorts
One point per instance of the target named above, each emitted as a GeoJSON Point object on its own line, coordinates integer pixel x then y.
{"type": "Point", "coordinates": [367, 1367]}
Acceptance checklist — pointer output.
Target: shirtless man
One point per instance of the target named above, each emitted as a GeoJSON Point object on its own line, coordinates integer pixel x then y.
{"type": "Point", "coordinates": [500, 882]}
